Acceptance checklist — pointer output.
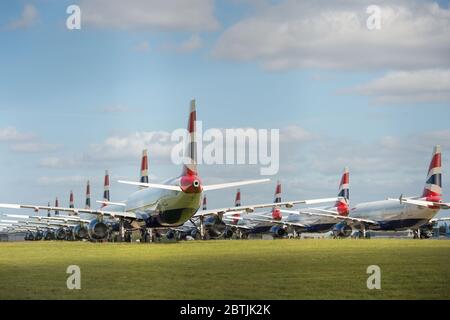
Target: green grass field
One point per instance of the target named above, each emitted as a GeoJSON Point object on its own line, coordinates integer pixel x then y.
{"type": "Point", "coordinates": [259, 269]}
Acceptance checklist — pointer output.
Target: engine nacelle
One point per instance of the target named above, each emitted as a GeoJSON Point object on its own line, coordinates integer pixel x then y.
{"type": "Point", "coordinates": [342, 230]}
{"type": "Point", "coordinates": [69, 234]}
{"type": "Point", "coordinates": [195, 234]}
{"type": "Point", "coordinates": [170, 234]}
{"type": "Point", "coordinates": [97, 230]}
{"type": "Point", "coordinates": [60, 234]}
{"type": "Point", "coordinates": [278, 231]}
{"type": "Point", "coordinates": [29, 236]}
{"type": "Point", "coordinates": [80, 232]}
{"type": "Point", "coordinates": [228, 233]}
{"type": "Point", "coordinates": [49, 235]}
{"type": "Point", "coordinates": [214, 226]}
{"type": "Point", "coordinates": [38, 235]}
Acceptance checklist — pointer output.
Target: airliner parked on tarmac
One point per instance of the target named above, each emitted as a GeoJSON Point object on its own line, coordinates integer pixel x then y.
{"type": "Point", "coordinates": [169, 204]}
{"type": "Point", "coordinates": [279, 221]}
{"type": "Point", "coordinates": [397, 214]}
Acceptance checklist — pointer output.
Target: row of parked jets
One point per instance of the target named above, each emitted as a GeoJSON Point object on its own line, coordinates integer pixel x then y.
{"type": "Point", "coordinates": [177, 208]}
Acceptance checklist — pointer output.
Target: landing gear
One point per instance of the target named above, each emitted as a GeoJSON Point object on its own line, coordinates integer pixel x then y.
{"type": "Point", "coordinates": [363, 233]}
{"type": "Point", "coordinates": [416, 234]}
{"type": "Point", "coordinates": [202, 228]}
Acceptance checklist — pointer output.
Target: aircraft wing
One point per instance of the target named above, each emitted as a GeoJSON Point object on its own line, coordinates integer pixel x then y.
{"type": "Point", "coordinates": [440, 219]}
{"type": "Point", "coordinates": [205, 187]}
{"type": "Point", "coordinates": [422, 203]}
{"type": "Point", "coordinates": [332, 214]}
{"type": "Point", "coordinates": [76, 211]}
{"type": "Point", "coordinates": [251, 208]}
{"type": "Point", "coordinates": [280, 222]}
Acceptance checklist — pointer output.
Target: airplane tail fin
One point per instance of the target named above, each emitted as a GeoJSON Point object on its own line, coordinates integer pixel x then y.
{"type": "Point", "coordinates": [144, 168]}
{"type": "Point", "coordinates": [190, 163]}
{"type": "Point", "coordinates": [276, 213]}
{"type": "Point", "coordinates": [71, 204]}
{"type": "Point", "coordinates": [278, 192]}
{"type": "Point", "coordinates": [106, 188]}
{"type": "Point", "coordinates": [433, 184]}
{"type": "Point", "coordinates": [344, 194]}
{"type": "Point", "coordinates": [237, 201]}
{"type": "Point", "coordinates": [56, 205]}
{"type": "Point", "coordinates": [88, 196]}
{"type": "Point", "coordinates": [204, 203]}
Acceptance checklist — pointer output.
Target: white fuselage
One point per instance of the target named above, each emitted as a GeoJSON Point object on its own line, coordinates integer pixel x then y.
{"type": "Point", "coordinates": [161, 208]}
{"type": "Point", "coordinates": [391, 215]}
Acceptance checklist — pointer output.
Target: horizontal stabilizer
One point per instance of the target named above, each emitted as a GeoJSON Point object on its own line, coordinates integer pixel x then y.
{"type": "Point", "coordinates": [109, 203]}
{"type": "Point", "coordinates": [232, 184]}
{"type": "Point", "coordinates": [152, 185]}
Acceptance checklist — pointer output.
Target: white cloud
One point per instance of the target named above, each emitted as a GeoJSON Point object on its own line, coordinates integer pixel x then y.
{"type": "Point", "coordinates": [25, 142]}
{"type": "Point", "coordinates": [118, 148]}
{"type": "Point", "coordinates": [11, 134]}
{"type": "Point", "coordinates": [191, 44]}
{"type": "Point", "coordinates": [28, 17]}
{"type": "Point", "coordinates": [418, 86]}
{"type": "Point", "coordinates": [174, 15]}
{"type": "Point", "coordinates": [34, 147]}
{"type": "Point", "coordinates": [295, 134]}
{"type": "Point", "coordinates": [61, 181]}
{"type": "Point", "coordinates": [334, 35]}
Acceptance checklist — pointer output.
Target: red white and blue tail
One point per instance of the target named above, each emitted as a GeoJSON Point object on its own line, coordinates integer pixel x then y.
{"type": "Point", "coordinates": [106, 197]}
{"type": "Point", "coordinates": [88, 196]}
{"type": "Point", "coordinates": [144, 168]}
{"type": "Point", "coordinates": [237, 200]}
{"type": "Point", "coordinates": [276, 212]}
{"type": "Point", "coordinates": [433, 184]}
{"type": "Point", "coordinates": [190, 164]}
{"type": "Point", "coordinates": [344, 194]}
{"type": "Point", "coordinates": [205, 206]}
{"type": "Point", "coordinates": [278, 192]}
{"type": "Point", "coordinates": [56, 205]}
{"type": "Point", "coordinates": [71, 203]}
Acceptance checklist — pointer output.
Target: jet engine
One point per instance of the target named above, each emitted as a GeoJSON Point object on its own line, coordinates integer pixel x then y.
{"type": "Point", "coordinates": [342, 230]}
{"type": "Point", "coordinates": [60, 234]}
{"type": "Point", "coordinates": [29, 236]}
{"type": "Point", "coordinates": [170, 234]}
{"type": "Point", "coordinates": [80, 232]}
{"type": "Point", "coordinates": [228, 233]}
{"type": "Point", "coordinates": [214, 226]}
{"type": "Point", "coordinates": [38, 235]}
{"type": "Point", "coordinates": [278, 231]}
{"type": "Point", "coordinates": [49, 235]}
{"type": "Point", "coordinates": [97, 230]}
{"type": "Point", "coordinates": [195, 233]}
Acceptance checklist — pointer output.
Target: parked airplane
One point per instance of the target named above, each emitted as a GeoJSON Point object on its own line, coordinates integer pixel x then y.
{"type": "Point", "coordinates": [397, 214]}
{"type": "Point", "coordinates": [279, 222]}
{"type": "Point", "coordinates": [169, 204]}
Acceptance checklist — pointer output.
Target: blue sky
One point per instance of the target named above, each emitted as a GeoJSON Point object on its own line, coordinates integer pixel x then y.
{"type": "Point", "coordinates": [346, 100]}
